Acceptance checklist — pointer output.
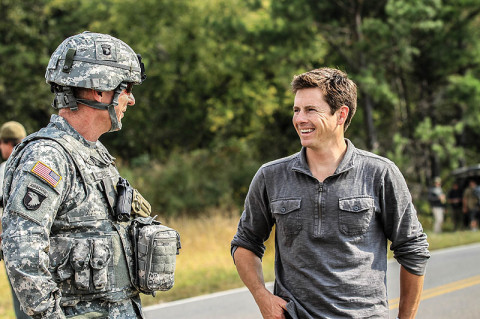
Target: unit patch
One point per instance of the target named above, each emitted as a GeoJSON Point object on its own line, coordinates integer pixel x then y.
{"type": "Point", "coordinates": [34, 197]}
{"type": "Point", "coordinates": [46, 173]}
{"type": "Point", "coordinates": [105, 50]}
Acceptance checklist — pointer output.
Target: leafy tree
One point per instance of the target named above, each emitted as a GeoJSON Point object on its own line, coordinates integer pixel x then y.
{"type": "Point", "coordinates": [402, 55]}
{"type": "Point", "coordinates": [218, 89]}
{"type": "Point", "coordinates": [24, 54]}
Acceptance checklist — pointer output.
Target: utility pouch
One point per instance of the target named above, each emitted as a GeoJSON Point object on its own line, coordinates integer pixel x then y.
{"type": "Point", "coordinates": [101, 255]}
{"type": "Point", "coordinates": [59, 254]}
{"type": "Point", "coordinates": [155, 249]}
{"type": "Point", "coordinates": [80, 261]}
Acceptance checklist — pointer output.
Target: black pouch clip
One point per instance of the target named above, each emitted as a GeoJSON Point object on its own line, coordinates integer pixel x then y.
{"type": "Point", "coordinates": [124, 202]}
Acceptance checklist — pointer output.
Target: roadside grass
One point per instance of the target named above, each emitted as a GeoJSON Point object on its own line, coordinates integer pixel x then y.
{"type": "Point", "coordinates": [205, 265]}
{"type": "Point", "coordinates": [6, 308]}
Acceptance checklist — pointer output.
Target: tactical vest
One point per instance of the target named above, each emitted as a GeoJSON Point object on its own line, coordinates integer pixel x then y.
{"type": "Point", "coordinates": [90, 252]}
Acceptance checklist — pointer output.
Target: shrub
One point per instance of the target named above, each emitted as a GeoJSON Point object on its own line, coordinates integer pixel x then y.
{"type": "Point", "coordinates": [189, 183]}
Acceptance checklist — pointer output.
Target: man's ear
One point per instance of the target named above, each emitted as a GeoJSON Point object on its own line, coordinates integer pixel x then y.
{"type": "Point", "coordinates": [97, 95]}
{"type": "Point", "coordinates": [342, 114]}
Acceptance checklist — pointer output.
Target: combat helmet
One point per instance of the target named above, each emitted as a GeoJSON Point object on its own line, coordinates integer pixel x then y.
{"type": "Point", "coordinates": [93, 61]}
{"type": "Point", "coordinates": [12, 130]}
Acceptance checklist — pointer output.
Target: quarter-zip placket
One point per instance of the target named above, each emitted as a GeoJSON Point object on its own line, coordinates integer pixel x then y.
{"type": "Point", "coordinates": [319, 210]}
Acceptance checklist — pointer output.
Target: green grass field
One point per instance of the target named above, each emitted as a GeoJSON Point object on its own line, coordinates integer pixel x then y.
{"type": "Point", "coordinates": [204, 264]}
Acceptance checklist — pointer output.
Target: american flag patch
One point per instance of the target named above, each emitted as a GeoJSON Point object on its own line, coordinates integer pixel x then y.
{"type": "Point", "coordinates": [46, 173]}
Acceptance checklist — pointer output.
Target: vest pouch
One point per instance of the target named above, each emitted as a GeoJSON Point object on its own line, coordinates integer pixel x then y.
{"type": "Point", "coordinates": [99, 261]}
{"type": "Point", "coordinates": [80, 261]}
{"type": "Point", "coordinates": [59, 255]}
{"type": "Point", "coordinates": [156, 247]}
{"type": "Point", "coordinates": [98, 268]}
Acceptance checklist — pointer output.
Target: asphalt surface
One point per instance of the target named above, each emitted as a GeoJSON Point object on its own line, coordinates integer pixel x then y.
{"type": "Point", "coordinates": [451, 290]}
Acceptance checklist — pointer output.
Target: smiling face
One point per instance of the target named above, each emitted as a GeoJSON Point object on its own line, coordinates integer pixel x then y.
{"type": "Point", "coordinates": [338, 90]}
{"type": "Point", "coordinates": [313, 119]}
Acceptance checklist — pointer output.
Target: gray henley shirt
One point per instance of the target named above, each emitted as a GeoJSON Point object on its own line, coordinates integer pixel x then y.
{"type": "Point", "coordinates": [331, 237]}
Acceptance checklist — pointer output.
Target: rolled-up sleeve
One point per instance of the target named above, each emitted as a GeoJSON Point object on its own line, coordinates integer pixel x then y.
{"type": "Point", "coordinates": [256, 222]}
{"type": "Point", "coordinates": [402, 227]}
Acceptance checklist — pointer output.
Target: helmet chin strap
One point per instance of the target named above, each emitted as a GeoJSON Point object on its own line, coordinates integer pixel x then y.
{"type": "Point", "coordinates": [116, 125]}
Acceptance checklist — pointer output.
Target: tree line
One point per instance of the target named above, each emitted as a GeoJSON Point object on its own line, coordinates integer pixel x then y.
{"type": "Point", "coordinates": [217, 101]}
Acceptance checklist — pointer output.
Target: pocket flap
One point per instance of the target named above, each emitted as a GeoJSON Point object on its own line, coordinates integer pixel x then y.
{"type": "Point", "coordinates": [80, 255]}
{"type": "Point", "coordinates": [355, 205]}
{"type": "Point", "coordinates": [101, 253]}
{"type": "Point", "coordinates": [59, 250]}
{"type": "Point", "coordinates": [285, 206]}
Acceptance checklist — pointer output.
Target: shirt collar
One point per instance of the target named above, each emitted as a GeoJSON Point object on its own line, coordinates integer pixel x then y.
{"type": "Point", "coordinates": [348, 161]}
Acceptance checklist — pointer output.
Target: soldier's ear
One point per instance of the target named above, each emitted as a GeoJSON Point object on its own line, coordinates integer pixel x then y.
{"type": "Point", "coordinates": [97, 95]}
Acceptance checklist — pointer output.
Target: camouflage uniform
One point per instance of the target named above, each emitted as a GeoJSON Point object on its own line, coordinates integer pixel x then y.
{"type": "Point", "coordinates": [65, 252]}
{"type": "Point", "coordinates": [63, 248]}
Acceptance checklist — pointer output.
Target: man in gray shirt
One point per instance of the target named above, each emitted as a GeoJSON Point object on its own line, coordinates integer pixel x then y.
{"type": "Point", "coordinates": [334, 207]}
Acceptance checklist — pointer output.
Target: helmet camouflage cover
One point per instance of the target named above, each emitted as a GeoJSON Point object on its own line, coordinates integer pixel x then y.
{"type": "Point", "coordinates": [94, 61]}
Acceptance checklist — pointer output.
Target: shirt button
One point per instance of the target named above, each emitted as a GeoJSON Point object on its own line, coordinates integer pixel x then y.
{"type": "Point", "coordinates": [356, 208]}
{"type": "Point", "coordinates": [283, 209]}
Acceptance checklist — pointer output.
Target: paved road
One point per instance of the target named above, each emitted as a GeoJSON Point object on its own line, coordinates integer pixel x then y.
{"type": "Point", "coordinates": [452, 290]}
{"type": "Point", "coordinates": [452, 284]}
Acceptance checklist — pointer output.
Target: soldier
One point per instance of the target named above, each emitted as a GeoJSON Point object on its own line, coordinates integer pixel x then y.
{"type": "Point", "coordinates": [11, 134]}
{"type": "Point", "coordinates": [66, 253]}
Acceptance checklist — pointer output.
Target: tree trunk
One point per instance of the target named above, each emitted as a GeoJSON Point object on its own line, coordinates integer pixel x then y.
{"type": "Point", "coordinates": [372, 141]}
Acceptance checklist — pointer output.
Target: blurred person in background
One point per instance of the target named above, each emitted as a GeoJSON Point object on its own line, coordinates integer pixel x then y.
{"type": "Point", "coordinates": [11, 134]}
{"type": "Point", "coordinates": [454, 200]}
{"type": "Point", "coordinates": [334, 208]}
{"type": "Point", "coordinates": [471, 204]}
{"type": "Point", "coordinates": [437, 201]}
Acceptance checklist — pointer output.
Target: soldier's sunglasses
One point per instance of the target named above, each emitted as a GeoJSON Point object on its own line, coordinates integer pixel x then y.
{"type": "Point", "coordinates": [129, 88]}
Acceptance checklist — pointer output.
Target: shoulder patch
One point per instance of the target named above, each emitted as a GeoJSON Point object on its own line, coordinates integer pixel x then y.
{"type": "Point", "coordinates": [46, 173]}
{"type": "Point", "coordinates": [34, 196]}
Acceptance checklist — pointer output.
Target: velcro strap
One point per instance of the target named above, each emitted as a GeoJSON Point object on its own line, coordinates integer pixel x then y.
{"type": "Point", "coordinates": [140, 206]}
{"type": "Point", "coordinates": [67, 66]}
{"type": "Point", "coordinates": [142, 249]}
{"type": "Point", "coordinates": [107, 63]}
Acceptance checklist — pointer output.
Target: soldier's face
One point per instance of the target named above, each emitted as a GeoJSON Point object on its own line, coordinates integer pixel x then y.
{"type": "Point", "coordinates": [125, 99]}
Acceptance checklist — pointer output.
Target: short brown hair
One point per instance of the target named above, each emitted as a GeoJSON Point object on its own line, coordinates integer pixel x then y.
{"type": "Point", "coordinates": [337, 88]}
